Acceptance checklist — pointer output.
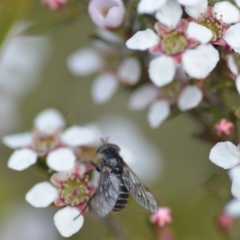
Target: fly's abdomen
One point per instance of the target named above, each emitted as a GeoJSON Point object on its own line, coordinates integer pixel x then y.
{"type": "Point", "coordinates": [123, 195]}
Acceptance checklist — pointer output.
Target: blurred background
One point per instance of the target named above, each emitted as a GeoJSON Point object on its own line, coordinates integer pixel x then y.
{"type": "Point", "coordinates": [34, 76]}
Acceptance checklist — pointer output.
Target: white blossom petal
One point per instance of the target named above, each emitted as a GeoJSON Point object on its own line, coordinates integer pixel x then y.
{"type": "Point", "coordinates": [149, 6]}
{"type": "Point", "coordinates": [236, 188]}
{"type": "Point", "coordinates": [198, 10]}
{"type": "Point", "coordinates": [84, 62]}
{"type": "Point", "coordinates": [104, 87]}
{"type": "Point", "coordinates": [225, 155]}
{"type": "Point", "coordinates": [61, 159]}
{"type": "Point", "coordinates": [143, 96]}
{"type": "Point", "coordinates": [22, 159]}
{"type": "Point", "coordinates": [199, 32]}
{"type": "Point", "coordinates": [143, 40]}
{"type": "Point", "coordinates": [199, 62]}
{"type": "Point", "coordinates": [129, 70]}
{"type": "Point", "coordinates": [232, 208]}
{"type": "Point", "coordinates": [162, 70]}
{"type": "Point", "coordinates": [158, 112]}
{"type": "Point", "coordinates": [190, 2]}
{"type": "Point", "coordinates": [41, 195]}
{"type": "Point", "coordinates": [237, 2]}
{"type": "Point", "coordinates": [66, 223]}
{"type": "Point", "coordinates": [49, 121]}
{"type": "Point", "coordinates": [169, 14]}
{"type": "Point", "coordinates": [234, 172]}
{"type": "Point", "coordinates": [81, 136]}
{"type": "Point", "coordinates": [238, 84]}
{"type": "Point", "coordinates": [232, 64]}
{"type": "Point", "coordinates": [18, 140]}
{"type": "Point", "coordinates": [226, 12]}
{"type": "Point", "coordinates": [189, 98]}
{"type": "Point", "coordinates": [232, 37]}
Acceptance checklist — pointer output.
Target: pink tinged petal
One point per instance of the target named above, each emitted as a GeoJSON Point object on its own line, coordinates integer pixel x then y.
{"type": "Point", "coordinates": [85, 62]}
{"type": "Point", "coordinates": [189, 2]}
{"type": "Point", "coordinates": [143, 40]}
{"type": "Point", "coordinates": [49, 121]}
{"type": "Point", "coordinates": [226, 12]}
{"type": "Point", "coordinates": [162, 70]}
{"type": "Point", "coordinates": [129, 70]}
{"type": "Point", "coordinates": [234, 172]}
{"type": "Point", "coordinates": [232, 208]}
{"type": "Point", "coordinates": [232, 37]}
{"type": "Point", "coordinates": [235, 189]}
{"type": "Point", "coordinates": [81, 136]}
{"type": "Point", "coordinates": [41, 195]}
{"type": "Point", "coordinates": [149, 6]}
{"type": "Point", "coordinates": [107, 13]}
{"type": "Point", "coordinates": [189, 98]}
{"type": "Point", "coordinates": [197, 11]}
{"type": "Point", "coordinates": [238, 84]}
{"type": "Point", "coordinates": [158, 113]}
{"type": "Point", "coordinates": [199, 32]}
{"type": "Point", "coordinates": [225, 155]}
{"type": "Point", "coordinates": [232, 64]}
{"type": "Point", "coordinates": [18, 140]}
{"type": "Point", "coordinates": [22, 159]}
{"type": "Point", "coordinates": [199, 62]}
{"type": "Point", "coordinates": [104, 87]}
{"type": "Point", "coordinates": [61, 159]}
{"type": "Point", "coordinates": [66, 223]}
{"type": "Point", "coordinates": [143, 96]}
{"type": "Point", "coordinates": [58, 178]}
{"type": "Point", "coordinates": [170, 14]}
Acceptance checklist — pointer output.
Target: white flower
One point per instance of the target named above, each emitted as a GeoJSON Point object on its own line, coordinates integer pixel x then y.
{"type": "Point", "coordinates": [47, 140]}
{"type": "Point", "coordinates": [232, 208]}
{"type": "Point", "coordinates": [127, 72]}
{"type": "Point", "coordinates": [151, 6]}
{"type": "Point", "coordinates": [197, 62]}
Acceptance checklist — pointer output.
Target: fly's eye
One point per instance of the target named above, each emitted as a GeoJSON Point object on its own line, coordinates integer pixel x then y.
{"type": "Point", "coordinates": [116, 147]}
{"type": "Point", "coordinates": [107, 146]}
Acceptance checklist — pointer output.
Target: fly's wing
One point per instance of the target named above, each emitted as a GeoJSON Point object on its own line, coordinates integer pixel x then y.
{"type": "Point", "coordinates": [107, 192]}
{"type": "Point", "coordinates": [138, 190]}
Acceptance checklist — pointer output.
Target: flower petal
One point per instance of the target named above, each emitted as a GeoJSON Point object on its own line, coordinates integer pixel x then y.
{"type": "Point", "coordinates": [143, 40]}
{"type": "Point", "coordinates": [149, 6]}
{"type": "Point", "coordinates": [197, 11]}
{"type": "Point", "coordinates": [162, 70]}
{"type": "Point", "coordinates": [41, 195]}
{"type": "Point", "coordinates": [129, 70]}
{"type": "Point", "coordinates": [189, 2]}
{"type": "Point", "coordinates": [234, 172]}
{"type": "Point", "coordinates": [66, 223]}
{"type": "Point", "coordinates": [22, 159]}
{"type": "Point", "coordinates": [232, 37]}
{"type": "Point", "coordinates": [225, 155]}
{"type": "Point", "coordinates": [142, 96]}
{"type": "Point", "coordinates": [61, 159]}
{"type": "Point", "coordinates": [158, 112]}
{"type": "Point", "coordinates": [18, 140]}
{"type": "Point", "coordinates": [232, 64]}
{"type": "Point", "coordinates": [104, 87]}
{"type": "Point", "coordinates": [199, 32]}
{"type": "Point", "coordinates": [238, 84]}
{"type": "Point", "coordinates": [189, 98]}
{"type": "Point", "coordinates": [232, 208]}
{"type": "Point", "coordinates": [79, 62]}
{"type": "Point", "coordinates": [237, 2]}
{"type": "Point", "coordinates": [81, 136]}
{"type": "Point", "coordinates": [236, 188]}
{"type": "Point", "coordinates": [226, 12]}
{"type": "Point", "coordinates": [199, 62]}
{"type": "Point", "coordinates": [49, 121]}
{"type": "Point", "coordinates": [169, 14]}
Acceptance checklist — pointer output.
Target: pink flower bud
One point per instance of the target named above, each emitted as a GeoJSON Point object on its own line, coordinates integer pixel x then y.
{"type": "Point", "coordinates": [107, 14]}
{"type": "Point", "coordinates": [224, 221]}
{"type": "Point", "coordinates": [162, 218]}
{"type": "Point", "coordinates": [224, 127]}
{"type": "Point", "coordinates": [54, 4]}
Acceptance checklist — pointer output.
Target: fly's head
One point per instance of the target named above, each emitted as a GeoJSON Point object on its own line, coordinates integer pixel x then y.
{"type": "Point", "coordinates": [107, 148]}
